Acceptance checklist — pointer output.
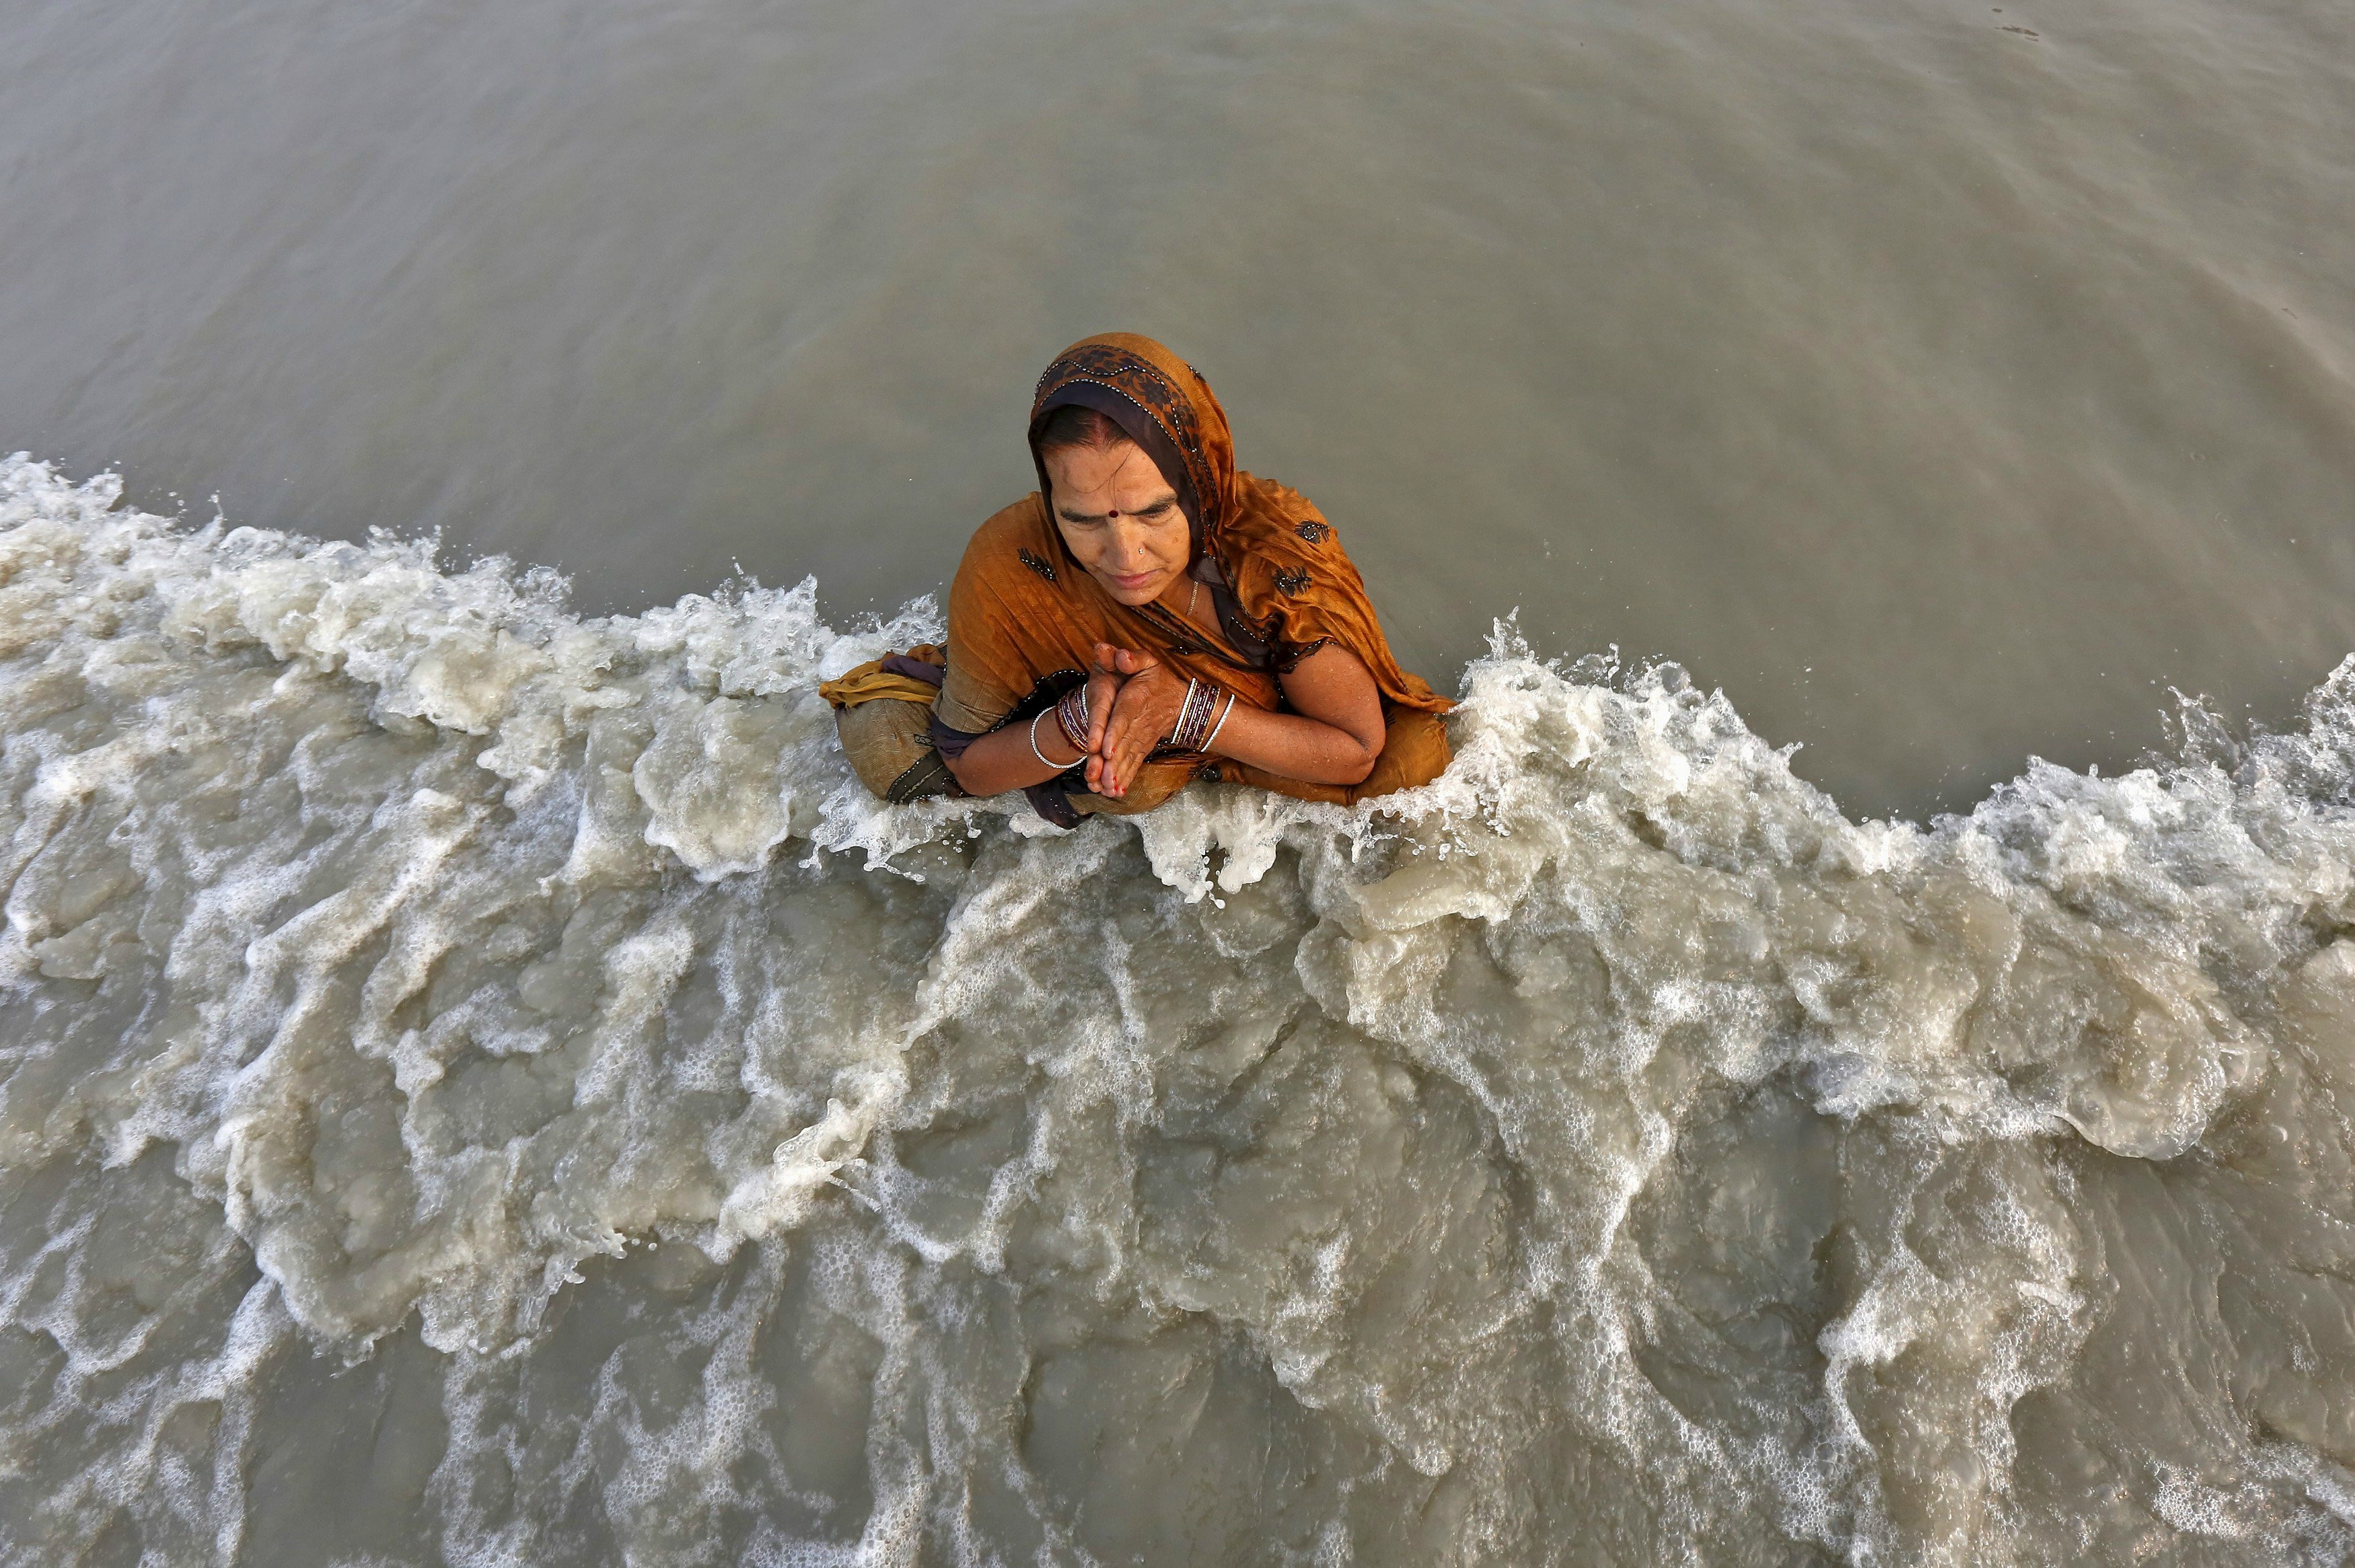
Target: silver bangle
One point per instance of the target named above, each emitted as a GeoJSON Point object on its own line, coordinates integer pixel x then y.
{"type": "Point", "coordinates": [1044, 759]}
{"type": "Point", "coordinates": [1193, 712]}
{"type": "Point", "coordinates": [1211, 739]}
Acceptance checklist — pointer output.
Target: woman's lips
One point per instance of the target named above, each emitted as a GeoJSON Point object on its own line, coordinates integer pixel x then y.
{"type": "Point", "coordinates": [1137, 581]}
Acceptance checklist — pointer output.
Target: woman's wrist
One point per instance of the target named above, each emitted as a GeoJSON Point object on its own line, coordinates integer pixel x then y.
{"type": "Point", "coordinates": [1073, 718]}
{"type": "Point", "coordinates": [1199, 712]}
{"type": "Point", "coordinates": [1052, 735]}
{"type": "Point", "coordinates": [1212, 740]}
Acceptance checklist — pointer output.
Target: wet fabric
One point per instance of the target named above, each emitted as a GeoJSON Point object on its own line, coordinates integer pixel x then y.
{"type": "Point", "coordinates": [913, 676]}
{"type": "Point", "coordinates": [1024, 615]}
{"type": "Point", "coordinates": [883, 711]}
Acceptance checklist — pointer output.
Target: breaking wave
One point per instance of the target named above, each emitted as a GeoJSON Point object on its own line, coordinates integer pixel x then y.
{"type": "Point", "coordinates": [498, 1064]}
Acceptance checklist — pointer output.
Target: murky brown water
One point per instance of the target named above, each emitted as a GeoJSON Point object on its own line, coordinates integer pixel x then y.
{"type": "Point", "coordinates": [1943, 392]}
{"type": "Point", "coordinates": [478, 1083]}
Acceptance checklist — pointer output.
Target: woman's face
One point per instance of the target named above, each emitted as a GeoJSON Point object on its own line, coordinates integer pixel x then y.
{"type": "Point", "coordinates": [1120, 518]}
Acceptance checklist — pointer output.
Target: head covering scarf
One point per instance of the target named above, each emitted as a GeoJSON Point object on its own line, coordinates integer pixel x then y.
{"type": "Point", "coordinates": [1024, 615]}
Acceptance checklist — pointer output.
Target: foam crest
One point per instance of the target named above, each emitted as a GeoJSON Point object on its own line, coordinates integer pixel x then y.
{"type": "Point", "coordinates": [1609, 1131]}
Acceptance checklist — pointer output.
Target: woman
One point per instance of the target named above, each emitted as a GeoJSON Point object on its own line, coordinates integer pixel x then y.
{"type": "Point", "coordinates": [1152, 615]}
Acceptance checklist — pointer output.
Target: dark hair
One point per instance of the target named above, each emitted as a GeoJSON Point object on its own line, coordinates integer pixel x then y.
{"type": "Point", "coordinates": [1074, 425]}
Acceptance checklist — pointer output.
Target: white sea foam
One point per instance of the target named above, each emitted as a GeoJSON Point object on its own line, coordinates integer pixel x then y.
{"type": "Point", "coordinates": [1609, 1142]}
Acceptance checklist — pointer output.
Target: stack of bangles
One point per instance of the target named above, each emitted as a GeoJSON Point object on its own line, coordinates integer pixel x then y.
{"type": "Point", "coordinates": [1071, 718]}
{"type": "Point", "coordinates": [1200, 718]}
{"type": "Point", "coordinates": [1072, 715]}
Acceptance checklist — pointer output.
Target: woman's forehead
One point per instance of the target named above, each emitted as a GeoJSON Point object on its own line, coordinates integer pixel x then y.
{"type": "Point", "coordinates": [1123, 467]}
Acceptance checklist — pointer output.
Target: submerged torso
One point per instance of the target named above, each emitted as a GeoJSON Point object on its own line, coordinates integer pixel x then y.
{"type": "Point", "coordinates": [1025, 617]}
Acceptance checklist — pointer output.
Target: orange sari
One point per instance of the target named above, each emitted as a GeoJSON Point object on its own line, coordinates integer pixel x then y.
{"type": "Point", "coordinates": [1024, 615]}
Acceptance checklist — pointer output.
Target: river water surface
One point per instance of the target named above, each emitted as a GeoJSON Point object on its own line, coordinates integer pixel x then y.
{"type": "Point", "coordinates": [482, 1084]}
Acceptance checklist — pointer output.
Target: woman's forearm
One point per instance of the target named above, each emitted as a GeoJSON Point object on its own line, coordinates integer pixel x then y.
{"type": "Point", "coordinates": [1003, 759]}
{"type": "Point", "coordinates": [1289, 744]}
{"type": "Point", "coordinates": [1295, 746]}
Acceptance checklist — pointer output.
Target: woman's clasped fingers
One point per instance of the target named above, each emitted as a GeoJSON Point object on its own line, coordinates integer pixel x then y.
{"type": "Point", "coordinates": [1144, 710]}
{"type": "Point", "coordinates": [1118, 661]}
{"type": "Point", "coordinates": [1104, 691]}
{"type": "Point", "coordinates": [1107, 659]}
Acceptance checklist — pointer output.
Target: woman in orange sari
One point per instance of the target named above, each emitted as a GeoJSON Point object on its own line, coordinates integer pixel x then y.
{"type": "Point", "coordinates": [1152, 615]}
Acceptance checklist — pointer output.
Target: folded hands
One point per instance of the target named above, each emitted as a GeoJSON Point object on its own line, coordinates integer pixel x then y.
{"type": "Point", "coordinates": [1134, 701]}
